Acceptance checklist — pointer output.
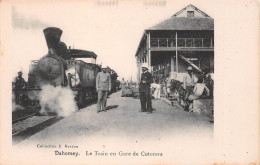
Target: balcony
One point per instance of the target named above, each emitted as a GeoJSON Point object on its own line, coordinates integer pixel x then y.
{"type": "Point", "coordinates": [182, 43]}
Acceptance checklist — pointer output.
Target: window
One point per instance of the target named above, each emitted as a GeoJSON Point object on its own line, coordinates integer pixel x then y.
{"type": "Point", "coordinates": [190, 13]}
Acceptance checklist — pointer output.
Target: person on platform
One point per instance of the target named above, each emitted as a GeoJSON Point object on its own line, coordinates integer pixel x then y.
{"type": "Point", "coordinates": [200, 90]}
{"type": "Point", "coordinates": [122, 84]}
{"type": "Point", "coordinates": [157, 87]}
{"type": "Point", "coordinates": [103, 85]}
{"type": "Point", "coordinates": [188, 85]}
{"type": "Point", "coordinates": [19, 83]}
{"type": "Point", "coordinates": [127, 84]}
{"type": "Point", "coordinates": [168, 85]}
{"type": "Point", "coordinates": [164, 85]}
{"type": "Point", "coordinates": [144, 89]}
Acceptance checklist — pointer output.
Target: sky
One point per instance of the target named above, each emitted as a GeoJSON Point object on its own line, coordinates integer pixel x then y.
{"type": "Point", "coordinates": [113, 32]}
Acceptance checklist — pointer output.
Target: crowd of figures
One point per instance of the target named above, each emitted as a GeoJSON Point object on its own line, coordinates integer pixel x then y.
{"type": "Point", "coordinates": [192, 87]}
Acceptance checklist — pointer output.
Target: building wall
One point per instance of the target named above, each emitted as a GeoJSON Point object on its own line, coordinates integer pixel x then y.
{"type": "Point", "coordinates": [163, 58]}
{"type": "Point", "coordinates": [205, 62]}
{"type": "Point", "coordinates": [182, 66]}
{"type": "Point", "coordinates": [142, 57]}
{"type": "Point", "coordinates": [211, 60]}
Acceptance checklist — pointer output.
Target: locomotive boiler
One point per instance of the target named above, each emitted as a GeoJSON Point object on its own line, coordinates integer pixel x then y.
{"type": "Point", "coordinates": [50, 69]}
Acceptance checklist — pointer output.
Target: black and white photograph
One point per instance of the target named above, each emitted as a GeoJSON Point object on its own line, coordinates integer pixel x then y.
{"type": "Point", "coordinates": [129, 82]}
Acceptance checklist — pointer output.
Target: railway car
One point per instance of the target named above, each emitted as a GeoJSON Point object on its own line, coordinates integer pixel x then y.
{"type": "Point", "coordinates": [82, 76]}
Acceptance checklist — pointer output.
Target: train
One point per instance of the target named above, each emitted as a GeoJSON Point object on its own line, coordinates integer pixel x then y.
{"type": "Point", "coordinates": [63, 66]}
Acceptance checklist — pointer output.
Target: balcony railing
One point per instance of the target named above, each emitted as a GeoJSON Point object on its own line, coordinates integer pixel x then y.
{"type": "Point", "coordinates": [182, 42]}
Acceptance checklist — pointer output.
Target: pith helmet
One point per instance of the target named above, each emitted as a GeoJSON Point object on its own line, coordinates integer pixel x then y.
{"type": "Point", "coordinates": [190, 68]}
{"type": "Point", "coordinates": [144, 65]}
{"type": "Point", "coordinates": [104, 67]}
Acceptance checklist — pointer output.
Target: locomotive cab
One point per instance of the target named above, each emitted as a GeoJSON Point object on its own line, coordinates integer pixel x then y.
{"type": "Point", "coordinates": [82, 75]}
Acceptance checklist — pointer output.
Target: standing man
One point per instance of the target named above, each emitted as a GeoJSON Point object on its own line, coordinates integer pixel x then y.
{"type": "Point", "coordinates": [188, 85]}
{"type": "Point", "coordinates": [123, 84]}
{"type": "Point", "coordinates": [144, 89]}
{"type": "Point", "coordinates": [19, 83]}
{"type": "Point", "coordinates": [103, 85]}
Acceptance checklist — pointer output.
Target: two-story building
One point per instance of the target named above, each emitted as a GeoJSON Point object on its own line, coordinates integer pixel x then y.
{"type": "Point", "coordinates": [185, 39]}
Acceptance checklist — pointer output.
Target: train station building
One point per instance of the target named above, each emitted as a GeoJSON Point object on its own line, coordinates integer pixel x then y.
{"type": "Point", "coordinates": [185, 39]}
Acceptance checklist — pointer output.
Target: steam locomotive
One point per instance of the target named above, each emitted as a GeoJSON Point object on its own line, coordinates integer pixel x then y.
{"type": "Point", "coordinates": [60, 68]}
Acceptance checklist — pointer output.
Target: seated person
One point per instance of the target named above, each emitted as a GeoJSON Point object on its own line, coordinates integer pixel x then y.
{"type": "Point", "coordinates": [156, 88]}
{"type": "Point", "coordinates": [200, 90]}
{"type": "Point", "coordinates": [168, 85]}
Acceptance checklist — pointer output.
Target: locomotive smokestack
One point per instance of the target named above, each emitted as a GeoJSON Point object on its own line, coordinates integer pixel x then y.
{"type": "Point", "coordinates": [52, 36]}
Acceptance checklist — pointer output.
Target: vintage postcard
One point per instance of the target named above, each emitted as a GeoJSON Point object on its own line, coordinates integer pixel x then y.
{"type": "Point", "coordinates": [129, 82]}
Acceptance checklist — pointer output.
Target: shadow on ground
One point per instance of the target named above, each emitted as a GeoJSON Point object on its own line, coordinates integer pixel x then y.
{"type": "Point", "coordinates": [111, 107]}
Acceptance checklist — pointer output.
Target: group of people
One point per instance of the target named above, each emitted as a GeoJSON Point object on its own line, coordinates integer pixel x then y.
{"type": "Point", "coordinates": [165, 86]}
{"type": "Point", "coordinates": [125, 84]}
{"type": "Point", "coordinates": [193, 89]}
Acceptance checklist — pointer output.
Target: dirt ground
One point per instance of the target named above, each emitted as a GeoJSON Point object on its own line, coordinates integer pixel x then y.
{"type": "Point", "coordinates": [123, 119]}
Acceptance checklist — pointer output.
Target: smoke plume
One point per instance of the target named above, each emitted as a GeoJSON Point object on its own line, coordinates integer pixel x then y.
{"type": "Point", "coordinates": [57, 100]}
{"type": "Point", "coordinates": [15, 106]}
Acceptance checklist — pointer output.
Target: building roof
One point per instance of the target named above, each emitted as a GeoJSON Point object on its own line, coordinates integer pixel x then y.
{"type": "Point", "coordinates": [185, 23]}
{"type": "Point", "coordinates": [180, 21]}
{"type": "Point", "coordinates": [193, 7]}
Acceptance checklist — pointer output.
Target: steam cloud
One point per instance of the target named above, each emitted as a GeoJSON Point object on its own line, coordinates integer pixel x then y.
{"type": "Point", "coordinates": [57, 100]}
{"type": "Point", "coordinates": [15, 106]}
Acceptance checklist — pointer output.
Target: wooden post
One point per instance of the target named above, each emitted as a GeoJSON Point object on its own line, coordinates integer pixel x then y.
{"type": "Point", "coordinates": [177, 69]}
{"type": "Point", "coordinates": [138, 61]}
{"type": "Point", "coordinates": [172, 65]}
{"type": "Point", "coordinates": [149, 51]}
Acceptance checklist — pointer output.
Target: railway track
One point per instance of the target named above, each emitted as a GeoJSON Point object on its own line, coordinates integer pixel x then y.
{"type": "Point", "coordinates": [29, 121]}
{"type": "Point", "coordinates": [25, 112]}
{"type": "Point", "coordinates": [30, 125]}
{"type": "Point", "coordinates": [23, 118]}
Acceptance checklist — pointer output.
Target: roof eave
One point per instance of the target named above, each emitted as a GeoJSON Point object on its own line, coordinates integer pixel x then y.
{"type": "Point", "coordinates": [143, 37]}
{"type": "Point", "coordinates": [179, 30]}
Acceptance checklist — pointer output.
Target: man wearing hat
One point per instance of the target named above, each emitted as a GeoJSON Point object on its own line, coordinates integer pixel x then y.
{"type": "Point", "coordinates": [19, 83]}
{"type": "Point", "coordinates": [103, 85]}
{"type": "Point", "coordinates": [144, 89]}
{"type": "Point", "coordinates": [188, 84]}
